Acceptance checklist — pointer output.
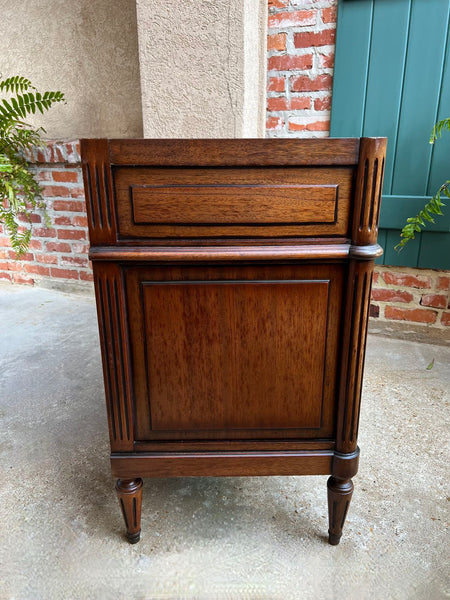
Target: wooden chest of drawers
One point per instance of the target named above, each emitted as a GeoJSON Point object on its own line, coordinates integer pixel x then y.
{"type": "Point", "coordinates": [233, 282]}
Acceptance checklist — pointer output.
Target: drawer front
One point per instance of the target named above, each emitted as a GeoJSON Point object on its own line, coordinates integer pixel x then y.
{"type": "Point", "coordinates": [234, 353]}
{"type": "Point", "coordinates": [171, 203]}
{"type": "Point", "coordinates": [234, 204]}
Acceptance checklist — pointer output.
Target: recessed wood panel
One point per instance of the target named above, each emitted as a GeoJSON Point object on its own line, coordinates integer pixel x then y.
{"type": "Point", "coordinates": [174, 203]}
{"type": "Point", "coordinates": [234, 204]}
{"type": "Point", "coordinates": [236, 355]}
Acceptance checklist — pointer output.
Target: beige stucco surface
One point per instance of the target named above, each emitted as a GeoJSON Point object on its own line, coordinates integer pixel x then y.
{"type": "Point", "coordinates": [86, 49]}
{"type": "Point", "coordinates": [202, 67]}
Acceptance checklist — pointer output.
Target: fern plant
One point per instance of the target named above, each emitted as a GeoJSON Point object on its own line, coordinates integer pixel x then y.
{"type": "Point", "coordinates": [434, 206]}
{"type": "Point", "coordinates": [20, 193]}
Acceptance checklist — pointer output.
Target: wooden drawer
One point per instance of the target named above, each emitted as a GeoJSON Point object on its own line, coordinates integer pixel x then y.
{"type": "Point", "coordinates": [229, 202]}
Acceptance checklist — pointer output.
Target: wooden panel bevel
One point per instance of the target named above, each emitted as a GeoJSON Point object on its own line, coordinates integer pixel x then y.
{"type": "Point", "coordinates": [214, 347]}
{"type": "Point", "coordinates": [231, 204]}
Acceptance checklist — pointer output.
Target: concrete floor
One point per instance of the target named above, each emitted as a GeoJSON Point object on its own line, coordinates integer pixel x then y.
{"type": "Point", "coordinates": [209, 538]}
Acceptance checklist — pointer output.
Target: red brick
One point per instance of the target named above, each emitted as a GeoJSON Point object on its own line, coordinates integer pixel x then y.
{"type": "Point", "coordinates": [26, 257]}
{"type": "Point", "coordinates": [10, 265]}
{"type": "Point", "coordinates": [37, 269]}
{"type": "Point", "coordinates": [300, 102]}
{"type": "Point", "coordinates": [56, 190]}
{"type": "Point", "coordinates": [32, 218]}
{"type": "Point", "coordinates": [278, 4]}
{"type": "Point", "coordinates": [71, 234]}
{"type": "Point", "coordinates": [303, 83]}
{"type": "Point", "coordinates": [290, 63]}
{"type": "Point", "coordinates": [48, 259]}
{"type": "Point", "coordinates": [416, 315]}
{"type": "Point", "coordinates": [385, 295]}
{"type": "Point", "coordinates": [44, 232]}
{"type": "Point", "coordinates": [308, 39]}
{"type": "Point", "coordinates": [276, 41]}
{"type": "Point", "coordinates": [277, 103]}
{"type": "Point", "coordinates": [326, 61]}
{"type": "Point", "coordinates": [80, 221]}
{"type": "Point", "coordinates": [374, 310]}
{"type": "Point", "coordinates": [319, 126]}
{"type": "Point", "coordinates": [6, 276]}
{"type": "Point", "coordinates": [40, 156]}
{"type": "Point", "coordinates": [274, 123]}
{"type": "Point", "coordinates": [44, 175]}
{"type": "Point", "coordinates": [77, 192]}
{"type": "Point", "coordinates": [63, 221]}
{"type": "Point", "coordinates": [64, 273]}
{"type": "Point", "coordinates": [80, 248]}
{"type": "Point", "coordinates": [35, 245]}
{"type": "Point", "coordinates": [414, 281]}
{"type": "Point", "coordinates": [276, 84]}
{"type": "Point", "coordinates": [297, 126]}
{"type": "Point", "coordinates": [434, 300]}
{"type": "Point", "coordinates": [65, 176]}
{"type": "Point", "coordinates": [75, 260]}
{"type": "Point", "coordinates": [22, 279]}
{"type": "Point", "coordinates": [443, 283]}
{"type": "Point", "coordinates": [322, 103]}
{"type": "Point", "coordinates": [329, 15]}
{"type": "Point", "coordinates": [86, 276]}
{"type": "Point", "coordinates": [58, 247]}
{"type": "Point", "coordinates": [315, 126]}
{"type": "Point", "coordinates": [68, 205]}
{"type": "Point", "coordinates": [445, 318]}
{"type": "Point", "coordinates": [6, 242]}
{"type": "Point", "coordinates": [293, 18]}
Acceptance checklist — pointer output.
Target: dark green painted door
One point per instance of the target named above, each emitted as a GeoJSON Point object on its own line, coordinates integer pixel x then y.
{"type": "Point", "coordinates": [392, 78]}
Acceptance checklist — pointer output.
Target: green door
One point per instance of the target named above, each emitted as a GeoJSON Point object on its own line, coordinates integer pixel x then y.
{"type": "Point", "coordinates": [392, 78]}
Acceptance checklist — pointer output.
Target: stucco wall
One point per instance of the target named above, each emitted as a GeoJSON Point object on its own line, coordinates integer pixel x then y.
{"type": "Point", "coordinates": [86, 49]}
{"type": "Point", "coordinates": [202, 67]}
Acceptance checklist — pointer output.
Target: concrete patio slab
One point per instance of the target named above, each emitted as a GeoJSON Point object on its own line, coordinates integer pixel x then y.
{"type": "Point", "coordinates": [209, 538]}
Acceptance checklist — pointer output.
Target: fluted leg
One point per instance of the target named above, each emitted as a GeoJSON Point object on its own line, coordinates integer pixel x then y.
{"type": "Point", "coordinates": [129, 492]}
{"type": "Point", "coordinates": [339, 496]}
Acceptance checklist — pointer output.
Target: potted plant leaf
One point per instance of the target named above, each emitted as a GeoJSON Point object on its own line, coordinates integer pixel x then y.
{"type": "Point", "coordinates": [20, 193]}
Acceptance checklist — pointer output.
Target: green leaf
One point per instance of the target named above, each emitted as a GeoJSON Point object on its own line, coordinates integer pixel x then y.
{"type": "Point", "coordinates": [431, 365]}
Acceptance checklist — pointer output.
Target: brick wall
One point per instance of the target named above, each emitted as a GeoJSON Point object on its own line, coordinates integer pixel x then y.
{"type": "Point", "coordinates": [58, 254]}
{"type": "Point", "coordinates": [416, 295]}
{"type": "Point", "coordinates": [300, 44]}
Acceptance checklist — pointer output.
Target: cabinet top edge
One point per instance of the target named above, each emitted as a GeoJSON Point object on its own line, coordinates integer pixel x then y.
{"type": "Point", "coordinates": [226, 152]}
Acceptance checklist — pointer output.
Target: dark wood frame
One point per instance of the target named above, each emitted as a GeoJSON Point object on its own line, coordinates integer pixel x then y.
{"type": "Point", "coordinates": [354, 167]}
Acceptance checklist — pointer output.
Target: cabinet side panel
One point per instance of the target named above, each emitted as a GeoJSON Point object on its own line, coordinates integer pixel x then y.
{"type": "Point", "coordinates": [245, 352]}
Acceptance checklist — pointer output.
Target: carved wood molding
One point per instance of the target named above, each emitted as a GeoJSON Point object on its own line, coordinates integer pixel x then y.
{"type": "Point", "coordinates": [99, 191]}
{"type": "Point", "coordinates": [369, 185]}
{"type": "Point", "coordinates": [112, 325]}
{"type": "Point", "coordinates": [354, 342]}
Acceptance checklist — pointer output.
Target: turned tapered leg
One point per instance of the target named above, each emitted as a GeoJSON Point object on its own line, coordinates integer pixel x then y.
{"type": "Point", "coordinates": [339, 496]}
{"type": "Point", "coordinates": [129, 492]}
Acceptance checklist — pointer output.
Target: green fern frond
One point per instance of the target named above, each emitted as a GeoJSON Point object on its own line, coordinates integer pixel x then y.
{"type": "Point", "coordinates": [438, 128]}
{"type": "Point", "coordinates": [19, 190]}
{"type": "Point", "coordinates": [433, 206]}
{"type": "Point", "coordinates": [416, 224]}
{"type": "Point", "coordinates": [15, 84]}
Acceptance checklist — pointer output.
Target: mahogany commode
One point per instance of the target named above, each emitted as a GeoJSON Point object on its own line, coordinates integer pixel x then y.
{"type": "Point", "coordinates": [233, 282]}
